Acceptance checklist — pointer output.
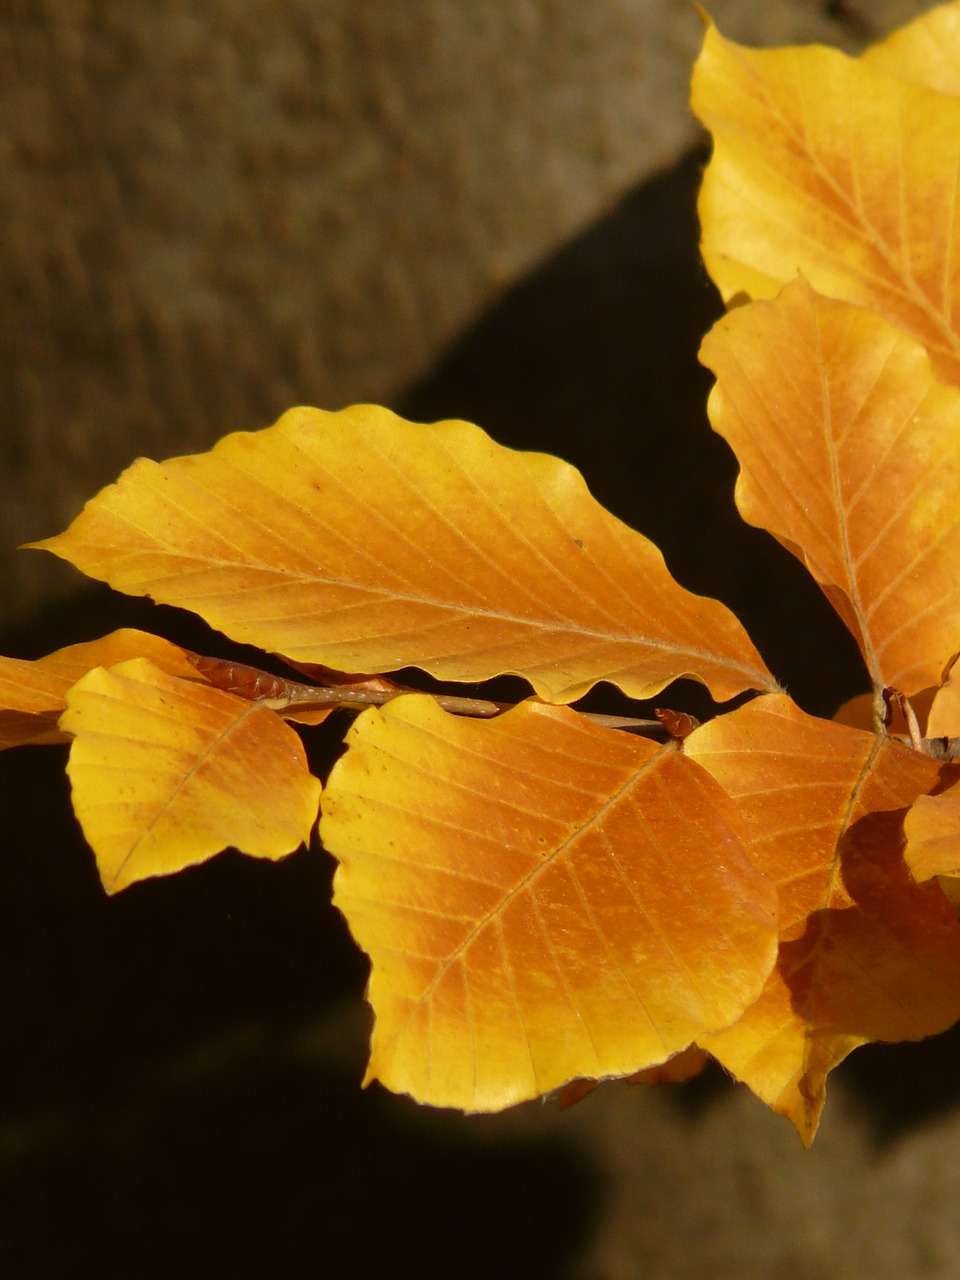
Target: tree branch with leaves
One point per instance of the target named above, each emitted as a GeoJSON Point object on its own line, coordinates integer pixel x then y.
{"type": "Point", "coordinates": [548, 901]}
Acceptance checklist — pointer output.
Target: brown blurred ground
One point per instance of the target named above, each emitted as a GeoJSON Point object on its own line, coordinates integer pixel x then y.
{"type": "Point", "coordinates": [213, 210]}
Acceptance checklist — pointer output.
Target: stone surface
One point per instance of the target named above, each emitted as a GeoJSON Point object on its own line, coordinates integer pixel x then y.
{"type": "Point", "coordinates": [214, 210]}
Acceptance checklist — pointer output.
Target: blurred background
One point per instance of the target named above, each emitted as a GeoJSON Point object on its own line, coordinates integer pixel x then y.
{"type": "Point", "coordinates": [212, 211]}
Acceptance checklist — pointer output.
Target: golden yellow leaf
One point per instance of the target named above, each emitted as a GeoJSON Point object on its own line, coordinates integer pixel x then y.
{"type": "Point", "coordinates": [366, 543]}
{"type": "Point", "coordinates": [865, 953]}
{"type": "Point", "coordinates": [541, 899]}
{"type": "Point", "coordinates": [850, 456]}
{"type": "Point", "coordinates": [827, 167]}
{"type": "Point", "coordinates": [925, 51]}
{"type": "Point", "coordinates": [33, 693]}
{"type": "Point", "coordinates": [167, 772]}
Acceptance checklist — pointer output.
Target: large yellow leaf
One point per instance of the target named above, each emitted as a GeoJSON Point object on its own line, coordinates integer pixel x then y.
{"type": "Point", "coordinates": [824, 165]}
{"type": "Point", "coordinates": [168, 772]}
{"type": "Point", "coordinates": [866, 953]}
{"type": "Point", "coordinates": [367, 543]}
{"type": "Point", "coordinates": [850, 456]}
{"type": "Point", "coordinates": [33, 693]}
{"type": "Point", "coordinates": [541, 900]}
{"type": "Point", "coordinates": [926, 51]}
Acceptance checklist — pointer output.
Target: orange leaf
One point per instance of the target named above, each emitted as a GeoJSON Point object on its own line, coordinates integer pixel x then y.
{"type": "Point", "coordinates": [362, 542]}
{"type": "Point", "coordinates": [850, 456]}
{"type": "Point", "coordinates": [541, 900]}
{"type": "Point", "coordinates": [932, 829]}
{"type": "Point", "coordinates": [168, 772]}
{"type": "Point", "coordinates": [33, 694]}
{"type": "Point", "coordinates": [857, 712]}
{"type": "Point", "coordinates": [925, 51]}
{"type": "Point", "coordinates": [944, 718]}
{"type": "Point", "coordinates": [865, 954]}
{"type": "Point", "coordinates": [826, 166]}
{"type": "Point", "coordinates": [681, 1067]}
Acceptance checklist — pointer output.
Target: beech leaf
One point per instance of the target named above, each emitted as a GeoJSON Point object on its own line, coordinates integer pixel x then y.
{"type": "Point", "coordinates": [925, 51]}
{"type": "Point", "coordinates": [541, 900]}
{"type": "Point", "coordinates": [865, 953]}
{"type": "Point", "coordinates": [33, 693]}
{"type": "Point", "coordinates": [857, 712]}
{"type": "Point", "coordinates": [167, 772]}
{"type": "Point", "coordinates": [944, 718]}
{"type": "Point", "coordinates": [932, 829]}
{"type": "Point", "coordinates": [826, 166]}
{"type": "Point", "coordinates": [681, 1067]}
{"type": "Point", "coordinates": [359, 541]}
{"type": "Point", "coordinates": [850, 456]}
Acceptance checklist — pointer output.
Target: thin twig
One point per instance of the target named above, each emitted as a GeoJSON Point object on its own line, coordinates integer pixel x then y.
{"type": "Point", "coordinates": [316, 697]}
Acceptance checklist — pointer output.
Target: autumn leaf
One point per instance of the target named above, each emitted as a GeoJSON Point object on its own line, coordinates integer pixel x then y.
{"type": "Point", "coordinates": [365, 543]}
{"type": "Point", "coordinates": [925, 51]}
{"type": "Point", "coordinates": [932, 829]}
{"type": "Point", "coordinates": [825, 166]}
{"type": "Point", "coordinates": [850, 456]}
{"type": "Point", "coordinates": [541, 900]}
{"type": "Point", "coordinates": [681, 1067]}
{"type": "Point", "coordinates": [944, 718]}
{"type": "Point", "coordinates": [857, 713]}
{"type": "Point", "coordinates": [167, 772]}
{"type": "Point", "coordinates": [865, 953]}
{"type": "Point", "coordinates": [33, 693]}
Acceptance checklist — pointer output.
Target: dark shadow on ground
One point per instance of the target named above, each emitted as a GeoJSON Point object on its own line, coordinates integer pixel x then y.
{"type": "Point", "coordinates": [594, 358]}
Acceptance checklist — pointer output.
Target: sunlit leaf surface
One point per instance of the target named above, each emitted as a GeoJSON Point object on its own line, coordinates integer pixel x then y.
{"type": "Point", "coordinates": [926, 51]}
{"type": "Point", "coordinates": [825, 166]}
{"type": "Point", "coordinates": [850, 456]}
{"type": "Point", "coordinates": [367, 543]}
{"type": "Point", "coordinates": [866, 953]}
{"type": "Point", "coordinates": [541, 900]}
{"type": "Point", "coordinates": [167, 772]}
{"type": "Point", "coordinates": [33, 694]}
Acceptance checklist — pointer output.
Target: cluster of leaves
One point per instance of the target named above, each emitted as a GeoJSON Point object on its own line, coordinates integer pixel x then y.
{"type": "Point", "coordinates": [544, 898]}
